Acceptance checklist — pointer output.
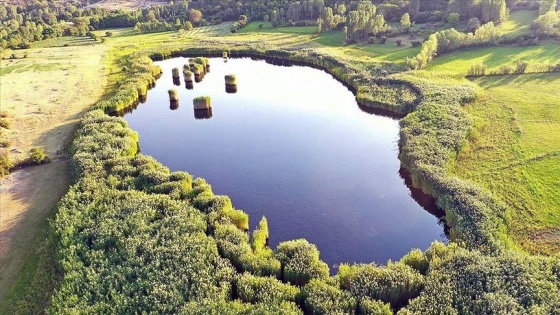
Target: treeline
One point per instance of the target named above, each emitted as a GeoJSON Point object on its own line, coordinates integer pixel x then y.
{"type": "Point", "coordinates": [547, 24]}
{"type": "Point", "coordinates": [40, 19]}
{"type": "Point", "coordinates": [450, 40]}
{"type": "Point", "coordinates": [36, 20]}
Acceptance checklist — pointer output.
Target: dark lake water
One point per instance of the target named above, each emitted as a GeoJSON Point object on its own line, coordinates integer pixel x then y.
{"type": "Point", "coordinates": [293, 145]}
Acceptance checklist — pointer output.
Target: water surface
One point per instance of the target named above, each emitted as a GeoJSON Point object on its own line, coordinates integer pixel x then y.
{"type": "Point", "coordinates": [293, 145]}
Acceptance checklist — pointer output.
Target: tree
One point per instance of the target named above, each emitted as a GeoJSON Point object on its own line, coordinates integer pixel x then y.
{"type": "Point", "coordinates": [243, 20]}
{"type": "Point", "coordinates": [473, 24]}
{"type": "Point", "coordinates": [345, 33]}
{"type": "Point", "coordinates": [405, 21]}
{"type": "Point", "coordinates": [266, 18]}
{"type": "Point", "coordinates": [547, 6]}
{"type": "Point", "coordinates": [453, 18]}
{"type": "Point", "coordinates": [274, 18]}
{"type": "Point", "coordinates": [151, 16]}
{"type": "Point", "coordinates": [195, 16]}
{"type": "Point", "coordinates": [188, 26]}
{"type": "Point", "coordinates": [493, 10]}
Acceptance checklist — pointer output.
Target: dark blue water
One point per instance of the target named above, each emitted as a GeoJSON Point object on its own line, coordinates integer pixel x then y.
{"type": "Point", "coordinates": [293, 145]}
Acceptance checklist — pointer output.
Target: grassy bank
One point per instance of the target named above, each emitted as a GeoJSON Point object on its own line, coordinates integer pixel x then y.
{"type": "Point", "coordinates": [514, 153]}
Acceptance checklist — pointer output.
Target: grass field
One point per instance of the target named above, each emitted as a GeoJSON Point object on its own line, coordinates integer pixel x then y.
{"type": "Point", "coordinates": [514, 152]}
{"type": "Point", "coordinates": [458, 63]}
{"type": "Point", "coordinates": [519, 22]}
{"type": "Point", "coordinates": [335, 38]}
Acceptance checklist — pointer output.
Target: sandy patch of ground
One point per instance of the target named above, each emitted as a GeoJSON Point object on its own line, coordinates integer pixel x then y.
{"type": "Point", "coordinates": [44, 94]}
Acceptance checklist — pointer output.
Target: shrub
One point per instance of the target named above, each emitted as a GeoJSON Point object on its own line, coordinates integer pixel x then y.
{"type": "Point", "coordinates": [478, 69]}
{"type": "Point", "coordinates": [415, 43]}
{"type": "Point", "coordinates": [416, 260]}
{"type": "Point", "coordinates": [369, 306]}
{"type": "Point", "coordinates": [5, 163]}
{"type": "Point", "coordinates": [268, 290]}
{"type": "Point", "coordinates": [188, 75]}
{"type": "Point", "coordinates": [173, 94]}
{"type": "Point", "coordinates": [506, 69]}
{"type": "Point", "coordinates": [231, 79]}
{"type": "Point", "coordinates": [521, 67]}
{"type": "Point", "coordinates": [38, 156]}
{"type": "Point", "coordinates": [5, 123]}
{"type": "Point", "coordinates": [395, 284]}
{"type": "Point", "coordinates": [322, 298]}
{"type": "Point", "coordinates": [300, 262]}
{"type": "Point", "coordinates": [453, 18]}
{"type": "Point", "coordinates": [202, 102]}
{"type": "Point", "coordinates": [175, 72]}
{"type": "Point", "coordinates": [260, 236]}
{"type": "Point", "coordinates": [108, 33]}
{"type": "Point", "coordinates": [399, 42]}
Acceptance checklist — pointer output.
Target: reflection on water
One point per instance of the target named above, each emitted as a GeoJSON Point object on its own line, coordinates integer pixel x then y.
{"type": "Point", "coordinates": [295, 147]}
{"type": "Point", "coordinates": [203, 113]}
{"type": "Point", "coordinates": [176, 81]}
{"type": "Point", "coordinates": [189, 85]}
{"type": "Point", "coordinates": [143, 98]}
{"type": "Point", "coordinates": [173, 104]}
{"type": "Point", "coordinates": [426, 201]}
{"type": "Point", "coordinates": [231, 88]}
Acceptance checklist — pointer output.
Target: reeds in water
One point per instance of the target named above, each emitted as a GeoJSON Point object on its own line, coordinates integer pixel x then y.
{"type": "Point", "coordinates": [173, 95]}
{"type": "Point", "coordinates": [202, 102]}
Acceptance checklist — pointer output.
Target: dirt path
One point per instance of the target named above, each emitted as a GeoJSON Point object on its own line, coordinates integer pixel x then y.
{"type": "Point", "coordinates": [44, 94]}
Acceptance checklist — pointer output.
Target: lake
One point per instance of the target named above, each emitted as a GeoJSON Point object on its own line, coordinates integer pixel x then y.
{"type": "Point", "coordinates": [293, 145]}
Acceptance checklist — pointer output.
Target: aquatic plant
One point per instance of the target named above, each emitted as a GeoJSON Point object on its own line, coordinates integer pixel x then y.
{"type": "Point", "coordinates": [173, 95]}
{"type": "Point", "coordinates": [231, 79]}
{"type": "Point", "coordinates": [202, 102]}
{"type": "Point", "coordinates": [188, 75]}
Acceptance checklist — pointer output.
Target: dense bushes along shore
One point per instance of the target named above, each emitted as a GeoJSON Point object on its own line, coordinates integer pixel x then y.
{"type": "Point", "coordinates": [132, 235]}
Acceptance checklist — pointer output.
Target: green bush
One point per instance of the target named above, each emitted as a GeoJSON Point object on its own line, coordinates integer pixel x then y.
{"type": "Point", "coordinates": [267, 290]}
{"type": "Point", "coordinates": [260, 236]}
{"type": "Point", "coordinates": [468, 282]}
{"type": "Point", "coordinates": [38, 156]}
{"type": "Point", "coordinates": [416, 260]}
{"type": "Point", "coordinates": [395, 284]}
{"type": "Point", "coordinates": [5, 123]}
{"type": "Point", "coordinates": [321, 298]}
{"type": "Point", "coordinates": [300, 262]}
{"type": "Point", "coordinates": [369, 306]}
{"type": "Point", "coordinates": [5, 163]}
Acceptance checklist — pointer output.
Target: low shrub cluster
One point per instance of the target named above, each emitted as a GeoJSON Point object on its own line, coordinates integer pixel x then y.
{"type": "Point", "coordinates": [399, 96]}
{"type": "Point", "coordinates": [521, 67]}
{"type": "Point", "coordinates": [450, 40]}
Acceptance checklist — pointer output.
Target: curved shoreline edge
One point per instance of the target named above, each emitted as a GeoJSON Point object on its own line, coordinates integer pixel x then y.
{"type": "Point", "coordinates": [117, 185]}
